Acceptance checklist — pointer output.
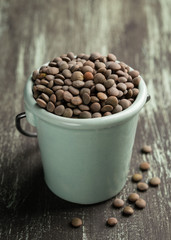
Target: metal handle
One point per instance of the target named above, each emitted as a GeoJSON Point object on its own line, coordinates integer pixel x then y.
{"type": "Point", "coordinates": [18, 125]}
{"type": "Point", "coordinates": [148, 98]}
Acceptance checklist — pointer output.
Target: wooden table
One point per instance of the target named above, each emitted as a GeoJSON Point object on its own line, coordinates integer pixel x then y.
{"type": "Point", "coordinates": [31, 33]}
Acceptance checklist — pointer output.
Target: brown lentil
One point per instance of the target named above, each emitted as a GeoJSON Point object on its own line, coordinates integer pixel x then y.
{"type": "Point", "coordinates": [59, 82]}
{"type": "Point", "coordinates": [45, 97]}
{"type": "Point", "coordinates": [76, 111]}
{"type": "Point", "coordinates": [70, 55]}
{"type": "Point", "coordinates": [101, 96]}
{"type": "Point", "coordinates": [120, 94]}
{"type": "Point", "coordinates": [59, 94]}
{"type": "Point", "coordinates": [109, 83]}
{"type": "Point", "coordinates": [112, 100]}
{"type": "Point", "coordinates": [68, 82]}
{"type": "Point", "coordinates": [63, 67]}
{"type": "Point", "coordinates": [142, 186]}
{"type": "Point", "coordinates": [85, 114]}
{"type": "Point", "coordinates": [83, 107]}
{"type": "Point", "coordinates": [88, 76]}
{"type": "Point", "coordinates": [35, 74]}
{"type": "Point", "coordinates": [135, 92]}
{"type": "Point", "coordinates": [50, 84]}
{"type": "Point", "coordinates": [65, 88]}
{"type": "Point", "coordinates": [95, 107]}
{"type": "Point", "coordinates": [124, 103]}
{"type": "Point", "coordinates": [89, 63]}
{"type": "Point", "coordinates": [89, 84]}
{"type": "Point", "coordinates": [114, 66]}
{"type": "Point", "coordinates": [86, 98]}
{"type": "Point", "coordinates": [66, 73]}
{"type": "Point", "coordinates": [155, 181]}
{"type": "Point", "coordinates": [94, 99]}
{"type": "Point", "coordinates": [137, 177]}
{"type": "Point", "coordinates": [71, 105]}
{"type": "Point", "coordinates": [140, 203]}
{"type": "Point", "coordinates": [95, 56]}
{"type": "Point", "coordinates": [41, 103]}
{"type": "Point", "coordinates": [113, 76]}
{"type": "Point", "coordinates": [85, 69]}
{"type": "Point", "coordinates": [44, 82]}
{"type": "Point", "coordinates": [99, 65]}
{"type": "Point", "coordinates": [99, 78]}
{"type": "Point", "coordinates": [96, 115]}
{"type": "Point", "coordinates": [117, 109]}
{"type": "Point", "coordinates": [41, 75]}
{"type": "Point", "coordinates": [67, 96]}
{"type": "Point", "coordinates": [100, 87]}
{"type": "Point", "coordinates": [128, 210]}
{"type": "Point", "coordinates": [78, 84]}
{"type": "Point", "coordinates": [73, 90]}
{"type": "Point", "coordinates": [112, 221]}
{"type": "Point", "coordinates": [107, 108]}
{"type": "Point", "coordinates": [50, 106]}
{"type": "Point", "coordinates": [134, 73]}
{"type": "Point", "coordinates": [118, 203]}
{"type": "Point", "coordinates": [107, 114]}
{"type": "Point", "coordinates": [76, 222]}
{"type": "Point", "coordinates": [53, 98]}
{"type": "Point", "coordinates": [146, 149]}
{"type": "Point", "coordinates": [76, 100]}
{"type": "Point", "coordinates": [122, 80]}
{"type": "Point", "coordinates": [144, 166]}
{"type": "Point", "coordinates": [133, 197]}
{"type": "Point", "coordinates": [121, 86]}
{"type": "Point", "coordinates": [113, 91]}
{"type": "Point", "coordinates": [111, 57]}
{"type": "Point", "coordinates": [59, 110]}
{"type": "Point", "coordinates": [84, 90]}
{"type": "Point", "coordinates": [59, 76]}
{"type": "Point", "coordinates": [68, 112]}
{"type": "Point", "coordinates": [55, 88]}
{"type": "Point", "coordinates": [40, 87]}
{"type": "Point", "coordinates": [77, 76]}
{"type": "Point", "coordinates": [52, 70]}
{"type": "Point", "coordinates": [129, 85]}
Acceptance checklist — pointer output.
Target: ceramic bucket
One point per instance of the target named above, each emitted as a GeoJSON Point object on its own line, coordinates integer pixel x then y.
{"type": "Point", "coordinates": [85, 161]}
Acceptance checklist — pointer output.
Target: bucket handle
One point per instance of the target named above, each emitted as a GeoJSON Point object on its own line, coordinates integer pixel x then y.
{"type": "Point", "coordinates": [19, 128]}
{"type": "Point", "coordinates": [148, 97]}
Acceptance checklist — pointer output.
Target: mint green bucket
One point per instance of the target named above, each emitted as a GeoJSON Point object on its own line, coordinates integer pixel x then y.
{"type": "Point", "coordinates": [85, 161]}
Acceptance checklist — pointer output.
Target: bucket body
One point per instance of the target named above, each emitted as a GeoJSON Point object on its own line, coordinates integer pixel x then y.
{"type": "Point", "coordinates": [85, 161]}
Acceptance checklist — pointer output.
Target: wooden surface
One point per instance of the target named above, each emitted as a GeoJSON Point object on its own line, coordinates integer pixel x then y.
{"type": "Point", "coordinates": [31, 33]}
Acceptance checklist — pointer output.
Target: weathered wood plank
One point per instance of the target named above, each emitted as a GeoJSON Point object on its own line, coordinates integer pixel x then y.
{"type": "Point", "coordinates": [31, 33]}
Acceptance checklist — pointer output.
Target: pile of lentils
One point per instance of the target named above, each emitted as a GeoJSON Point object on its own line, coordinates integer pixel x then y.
{"type": "Point", "coordinates": [85, 86]}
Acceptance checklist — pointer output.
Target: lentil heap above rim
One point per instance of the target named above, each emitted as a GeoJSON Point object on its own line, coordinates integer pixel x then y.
{"type": "Point", "coordinates": [68, 93]}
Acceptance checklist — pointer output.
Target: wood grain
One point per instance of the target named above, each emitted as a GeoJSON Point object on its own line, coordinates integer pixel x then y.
{"type": "Point", "coordinates": [31, 33]}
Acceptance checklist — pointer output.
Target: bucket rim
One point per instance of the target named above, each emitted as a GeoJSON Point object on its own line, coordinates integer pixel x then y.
{"type": "Point", "coordinates": [37, 112]}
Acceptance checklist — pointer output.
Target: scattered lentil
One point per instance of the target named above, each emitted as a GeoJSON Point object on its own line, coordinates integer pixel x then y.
{"type": "Point", "coordinates": [140, 203]}
{"type": "Point", "coordinates": [112, 221]}
{"type": "Point", "coordinates": [133, 197]}
{"type": "Point", "coordinates": [128, 210]}
{"type": "Point", "coordinates": [155, 181]}
{"type": "Point", "coordinates": [144, 166]}
{"type": "Point", "coordinates": [76, 222]}
{"type": "Point", "coordinates": [142, 186]}
{"type": "Point", "coordinates": [118, 203]}
{"type": "Point", "coordinates": [137, 177]}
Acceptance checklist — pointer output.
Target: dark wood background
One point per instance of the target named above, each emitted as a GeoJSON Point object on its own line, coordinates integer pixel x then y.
{"type": "Point", "coordinates": [33, 32]}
